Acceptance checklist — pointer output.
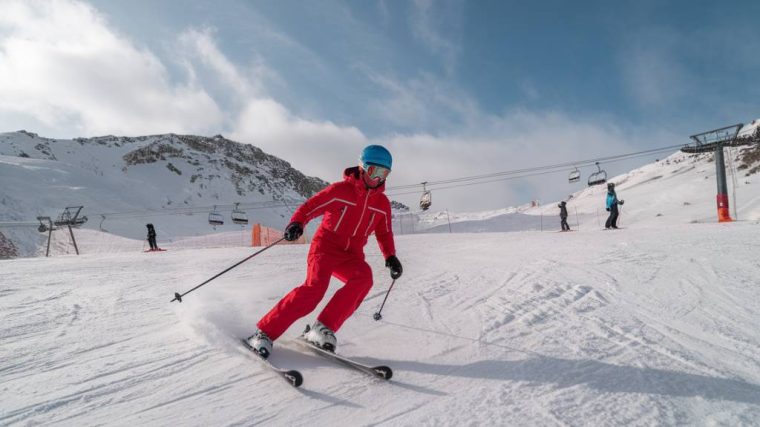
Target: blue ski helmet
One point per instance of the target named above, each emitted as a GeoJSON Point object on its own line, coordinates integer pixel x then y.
{"type": "Point", "coordinates": [376, 155]}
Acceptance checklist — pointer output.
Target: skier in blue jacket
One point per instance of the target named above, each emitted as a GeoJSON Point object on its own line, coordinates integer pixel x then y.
{"type": "Point", "coordinates": [612, 207]}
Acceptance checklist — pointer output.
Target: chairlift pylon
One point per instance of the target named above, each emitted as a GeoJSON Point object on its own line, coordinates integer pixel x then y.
{"type": "Point", "coordinates": [574, 176]}
{"type": "Point", "coordinates": [239, 216]}
{"type": "Point", "coordinates": [215, 218]}
{"type": "Point", "coordinates": [427, 199]}
{"type": "Point", "coordinates": [598, 177]}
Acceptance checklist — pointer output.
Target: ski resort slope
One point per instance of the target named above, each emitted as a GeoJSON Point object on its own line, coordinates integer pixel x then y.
{"type": "Point", "coordinates": [652, 326]}
{"type": "Point", "coordinates": [679, 189]}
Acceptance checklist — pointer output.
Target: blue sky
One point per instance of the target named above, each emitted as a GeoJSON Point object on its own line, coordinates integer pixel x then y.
{"type": "Point", "coordinates": [453, 88]}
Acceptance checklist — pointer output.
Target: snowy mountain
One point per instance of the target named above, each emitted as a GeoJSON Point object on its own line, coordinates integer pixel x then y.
{"type": "Point", "coordinates": [653, 324]}
{"type": "Point", "coordinates": [173, 181]}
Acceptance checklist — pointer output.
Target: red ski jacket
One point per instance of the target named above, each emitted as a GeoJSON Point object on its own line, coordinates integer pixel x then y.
{"type": "Point", "coordinates": [351, 213]}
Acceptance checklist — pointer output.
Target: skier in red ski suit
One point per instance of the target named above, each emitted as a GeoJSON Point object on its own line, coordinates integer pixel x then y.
{"type": "Point", "coordinates": [352, 210]}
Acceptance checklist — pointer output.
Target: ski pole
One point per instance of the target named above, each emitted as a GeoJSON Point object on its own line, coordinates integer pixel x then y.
{"type": "Point", "coordinates": [178, 297]}
{"type": "Point", "coordinates": [378, 316]}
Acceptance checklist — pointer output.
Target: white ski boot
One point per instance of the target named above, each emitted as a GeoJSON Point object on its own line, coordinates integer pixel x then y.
{"type": "Point", "coordinates": [321, 336]}
{"type": "Point", "coordinates": [261, 343]}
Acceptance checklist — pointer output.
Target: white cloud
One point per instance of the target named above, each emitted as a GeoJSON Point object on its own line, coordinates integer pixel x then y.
{"type": "Point", "coordinates": [515, 140]}
{"type": "Point", "coordinates": [316, 148]}
{"type": "Point", "coordinates": [199, 49]}
{"type": "Point", "coordinates": [423, 102]}
{"type": "Point", "coordinates": [428, 18]}
{"type": "Point", "coordinates": [64, 66]}
{"type": "Point", "coordinates": [651, 70]}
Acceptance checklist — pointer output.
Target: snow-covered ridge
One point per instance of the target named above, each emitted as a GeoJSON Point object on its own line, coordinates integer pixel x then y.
{"type": "Point", "coordinates": [173, 181]}
{"type": "Point", "coordinates": [201, 158]}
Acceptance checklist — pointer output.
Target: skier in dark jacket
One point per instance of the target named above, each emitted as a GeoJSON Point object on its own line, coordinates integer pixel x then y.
{"type": "Point", "coordinates": [152, 237]}
{"type": "Point", "coordinates": [563, 216]}
{"type": "Point", "coordinates": [351, 211]}
{"type": "Point", "coordinates": [612, 207]}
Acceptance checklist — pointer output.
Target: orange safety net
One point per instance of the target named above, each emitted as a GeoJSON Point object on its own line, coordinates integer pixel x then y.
{"type": "Point", "coordinates": [264, 236]}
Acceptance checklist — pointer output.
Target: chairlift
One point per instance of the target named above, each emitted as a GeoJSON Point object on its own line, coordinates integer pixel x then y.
{"type": "Point", "coordinates": [46, 224]}
{"type": "Point", "coordinates": [427, 199]}
{"type": "Point", "coordinates": [574, 176]}
{"type": "Point", "coordinates": [215, 218]}
{"type": "Point", "coordinates": [70, 217]}
{"type": "Point", "coordinates": [598, 177]}
{"type": "Point", "coordinates": [239, 216]}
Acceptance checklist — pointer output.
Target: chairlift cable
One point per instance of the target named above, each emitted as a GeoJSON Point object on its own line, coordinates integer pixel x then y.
{"type": "Point", "coordinates": [524, 173]}
{"type": "Point", "coordinates": [589, 162]}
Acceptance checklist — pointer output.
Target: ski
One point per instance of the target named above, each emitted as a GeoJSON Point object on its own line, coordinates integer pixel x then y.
{"type": "Point", "coordinates": [382, 372]}
{"type": "Point", "coordinates": [292, 376]}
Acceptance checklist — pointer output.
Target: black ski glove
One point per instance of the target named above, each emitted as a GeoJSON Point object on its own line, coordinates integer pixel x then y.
{"type": "Point", "coordinates": [293, 231]}
{"type": "Point", "coordinates": [395, 265]}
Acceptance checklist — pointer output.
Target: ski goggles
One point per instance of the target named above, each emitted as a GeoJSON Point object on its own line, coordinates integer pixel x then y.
{"type": "Point", "coordinates": [376, 172]}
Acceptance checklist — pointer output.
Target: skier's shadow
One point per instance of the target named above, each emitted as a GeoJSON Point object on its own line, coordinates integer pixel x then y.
{"type": "Point", "coordinates": [601, 376]}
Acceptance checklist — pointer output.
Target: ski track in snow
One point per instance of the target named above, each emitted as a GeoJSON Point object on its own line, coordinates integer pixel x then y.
{"type": "Point", "coordinates": [637, 327]}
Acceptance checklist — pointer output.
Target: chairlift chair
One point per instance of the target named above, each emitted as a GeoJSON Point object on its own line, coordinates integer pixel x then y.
{"type": "Point", "coordinates": [574, 176]}
{"type": "Point", "coordinates": [215, 218]}
{"type": "Point", "coordinates": [427, 199]}
{"type": "Point", "coordinates": [598, 177]}
{"type": "Point", "coordinates": [239, 216]}
{"type": "Point", "coordinates": [46, 224]}
{"type": "Point", "coordinates": [70, 217]}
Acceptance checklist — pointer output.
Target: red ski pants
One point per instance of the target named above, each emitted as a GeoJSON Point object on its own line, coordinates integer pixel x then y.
{"type": "Point", "coordinates": [348, 267]}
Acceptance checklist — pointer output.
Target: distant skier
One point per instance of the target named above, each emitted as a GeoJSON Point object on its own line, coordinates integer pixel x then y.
{"type": "Point", "coordinates": [612, 207]}
{"type": "Point", "coordinates": [152, 237]}
{"type": "Point", "coordinates": [563, 215]}
{"type": "Point", "coordinates": [352, 209]}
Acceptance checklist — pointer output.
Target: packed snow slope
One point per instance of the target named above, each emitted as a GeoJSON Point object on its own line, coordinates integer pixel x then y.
{"type": "Point", "coordinates": [657, 325]}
